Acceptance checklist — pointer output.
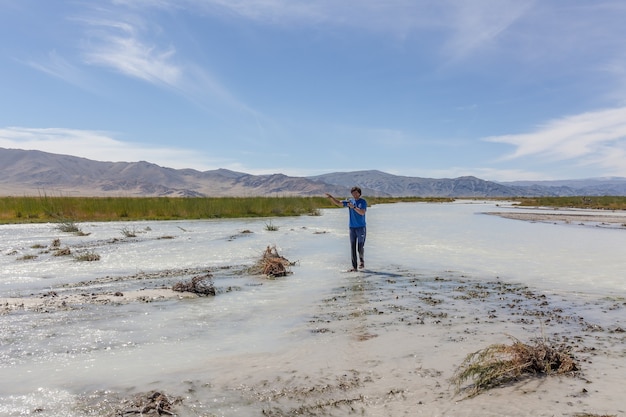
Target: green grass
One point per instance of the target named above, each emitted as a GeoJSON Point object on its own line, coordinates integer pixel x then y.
{"type": "Point", "coordinates": [596, 202]}
{"type": "Point", "coordinates": [68, 210]}
{"type": "Point", "coordinates": [78, 209]}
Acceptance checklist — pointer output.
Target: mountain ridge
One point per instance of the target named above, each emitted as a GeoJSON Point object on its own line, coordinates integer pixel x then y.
{"type": "Point", "coordinates": [32, 172]}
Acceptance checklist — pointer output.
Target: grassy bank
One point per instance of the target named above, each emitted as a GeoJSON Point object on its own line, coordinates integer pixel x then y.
{"type": "Point", "coordinates": [599, 202]}
{"type": "Point", "coordinates": [50, 209]}
{"type": "Point", "coordinates": [79, 209]}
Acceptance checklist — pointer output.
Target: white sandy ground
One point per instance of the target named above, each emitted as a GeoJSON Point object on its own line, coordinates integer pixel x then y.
{"type": "Point", "coordinates": [387, 344]}
{"type": "Point", "coordinates": [570, 218]}
{"type": "Point", "coordinates": [53, 301]}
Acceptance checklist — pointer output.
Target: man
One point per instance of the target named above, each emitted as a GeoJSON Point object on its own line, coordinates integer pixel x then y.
{"type": "Point", "coordinates": [357, 207]}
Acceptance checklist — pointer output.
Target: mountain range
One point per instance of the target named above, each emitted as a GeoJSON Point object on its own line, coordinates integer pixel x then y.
{"type": "Point", "coordinates": [31, 172]}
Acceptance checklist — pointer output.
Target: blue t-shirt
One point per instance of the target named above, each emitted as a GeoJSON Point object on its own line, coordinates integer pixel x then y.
{"type": "Point", "coordinates": [356, 219]}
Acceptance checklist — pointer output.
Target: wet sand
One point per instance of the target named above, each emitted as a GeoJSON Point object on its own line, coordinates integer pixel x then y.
{"type": "Point", "coordinates": [611, 220]}
{"type": "Point", "coordinates": [386, 343]}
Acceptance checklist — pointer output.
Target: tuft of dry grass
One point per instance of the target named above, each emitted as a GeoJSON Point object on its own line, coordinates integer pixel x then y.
{"type": "Point", "coordinates": [87, 257]}
{"type": "Point", "coordinates": [499, 364]}
{"type": "Point", "coordinates": [270, 227]}
{"type": "Point", "coordinates": [62, 252]}
{"type": "Point", "coordinates": [272, 264]}
{"type": "Point", "coordinates": [152, 403]}
{"type": "Point", "coordinates": [200, 284]}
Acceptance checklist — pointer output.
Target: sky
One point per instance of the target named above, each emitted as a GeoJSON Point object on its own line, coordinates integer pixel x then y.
{"type": "Point", "coordinates": [499, 89]}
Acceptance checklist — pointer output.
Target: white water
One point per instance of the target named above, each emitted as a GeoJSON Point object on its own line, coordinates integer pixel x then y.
{"type": "Point", "coordinates": [53, 357]}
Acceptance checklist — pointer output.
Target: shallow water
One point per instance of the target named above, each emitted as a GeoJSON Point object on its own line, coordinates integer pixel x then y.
{"type": "Point", "coordinates": [53, 360]}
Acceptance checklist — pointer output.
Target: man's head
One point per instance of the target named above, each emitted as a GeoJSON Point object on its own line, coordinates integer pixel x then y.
{"type": "Point", "coordinates": [356, 192]}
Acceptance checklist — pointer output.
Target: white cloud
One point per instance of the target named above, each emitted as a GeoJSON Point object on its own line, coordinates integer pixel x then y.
{"type": "Point", "coordinates": [571, 136]}
{"type": "Point", "coordinates": [116, 43]}
{"type": "Point", "coordinates": [127, 42]}
{"type": "Point", "coordinates": [132, 57]}
{"type": "Point", "coordinates": [593, 138]}
{"type": "Point", "coordinates": [102, 146]}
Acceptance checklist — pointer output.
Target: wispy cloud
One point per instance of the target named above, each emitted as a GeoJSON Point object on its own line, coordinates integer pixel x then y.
{"type": "Point", "coordinates": [118, 44]}
{"type": "Point", "coordinates": [103, 146]}
{"type": "Point", "coordinates": [474, 25]}
{"type": "Point", "coordinates": [396, 17]}
{"type": "Point", "coordinates": [57, 66]}
{"type": "Point", "coordinates": [127, 42]}
{"type": "Point", "coordinates": [588, 138]}
{"type": "Point", "coordinates": [530, 30]}
{"type": "Point", "coordinates": [465, 26]}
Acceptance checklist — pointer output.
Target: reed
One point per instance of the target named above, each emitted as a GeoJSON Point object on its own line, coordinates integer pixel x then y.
{"type": "Point", "coordinates": [32, 209]}
{"type": "Point", "coordinates": [80, 209]}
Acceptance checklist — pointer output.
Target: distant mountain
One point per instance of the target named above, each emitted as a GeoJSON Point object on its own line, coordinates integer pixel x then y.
{"type": "Point", "coordinates": [587, 187]}
{"type": "Point", "coordinates": [25, 172]}
{"type": "Point", "coordinates": [37, 173]}
{"type": "Point", "coordinates": [381, 183]}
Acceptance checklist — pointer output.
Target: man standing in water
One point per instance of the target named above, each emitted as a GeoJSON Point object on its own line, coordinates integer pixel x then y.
{"type": "Point", "coordinates": [357, 207]}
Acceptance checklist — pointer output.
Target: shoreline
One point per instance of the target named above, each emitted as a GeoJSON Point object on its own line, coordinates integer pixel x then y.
{"type": "Point", "coordinates": [613, 220]}
{"type": "Point", "coordinates": [53, 301]}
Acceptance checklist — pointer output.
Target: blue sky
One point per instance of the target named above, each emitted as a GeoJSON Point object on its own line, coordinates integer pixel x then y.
{"type": "Point", "coordinates": [500, 89]}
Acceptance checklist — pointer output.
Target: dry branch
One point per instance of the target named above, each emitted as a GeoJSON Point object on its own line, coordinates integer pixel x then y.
{"type": "Point", "coordinates": [272, 264]}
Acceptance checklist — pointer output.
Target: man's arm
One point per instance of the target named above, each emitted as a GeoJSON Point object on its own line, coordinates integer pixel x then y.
{"type": "Point", "coordinates": [334, 200]}
{"type": "Point", "coordinates": [361, 211]}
